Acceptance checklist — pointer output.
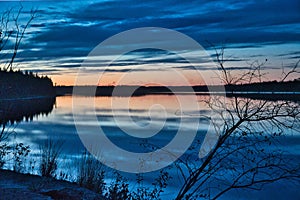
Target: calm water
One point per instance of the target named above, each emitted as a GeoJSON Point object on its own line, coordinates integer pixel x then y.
{"type": "Point", "coordinates": [57, 123]}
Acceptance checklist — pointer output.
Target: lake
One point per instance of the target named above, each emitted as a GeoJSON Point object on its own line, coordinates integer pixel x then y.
{"type": "Point", "coordinates": [54, 120]}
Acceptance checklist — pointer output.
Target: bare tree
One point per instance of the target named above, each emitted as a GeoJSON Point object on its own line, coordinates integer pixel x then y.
{"type": "Point", "coordinates": [12, 32]}
{"type": "Point", "coordinates": [247, 154]}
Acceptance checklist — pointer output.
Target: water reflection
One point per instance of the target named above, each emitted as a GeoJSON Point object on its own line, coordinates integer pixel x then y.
{"type": "Point", "coordinates": [59, 125]}
{"type": "Point", "coordinates": [15, 111]}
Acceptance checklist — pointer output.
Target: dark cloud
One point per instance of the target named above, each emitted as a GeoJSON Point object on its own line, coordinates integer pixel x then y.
{"type": "Point", "coordinates": [203, 68]}
{"type": "Point", "coordinates": [290, 53]}
{"type": "Point", "coordinates": [244, 23]}
{"type": "Point", "coordinates": [70, 30]}
{"type": "Point", "coordinates": [38, 25]}
{"type": "Point", "coordinates": [44, 70]}
{"type": "Point", "coordinates": [295, 57]}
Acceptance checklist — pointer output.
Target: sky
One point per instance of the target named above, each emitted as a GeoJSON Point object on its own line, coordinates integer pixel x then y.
{"type": "Point", "coordinates": [63, 34]}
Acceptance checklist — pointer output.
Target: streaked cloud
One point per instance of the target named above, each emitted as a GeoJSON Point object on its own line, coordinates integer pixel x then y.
{"type": "Point", "coordinates": [66, 31]}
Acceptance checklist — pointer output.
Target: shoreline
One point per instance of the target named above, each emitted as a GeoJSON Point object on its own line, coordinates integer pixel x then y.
{"type": "Point", "coordinates": [20, 186]}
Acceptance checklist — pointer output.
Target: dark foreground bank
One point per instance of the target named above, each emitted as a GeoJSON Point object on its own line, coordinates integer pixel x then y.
{"type": "Point", "coordinates": [30, 187]}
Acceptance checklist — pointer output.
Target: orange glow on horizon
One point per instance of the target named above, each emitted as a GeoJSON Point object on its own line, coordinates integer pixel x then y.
{"type": "Point", "coordinates": [154, 78]}
{"type": "Point", "coordinates": [67, 80]}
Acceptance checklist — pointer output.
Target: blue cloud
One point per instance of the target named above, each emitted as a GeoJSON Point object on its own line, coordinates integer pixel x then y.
{"type": "Point", "coordinates": [73, 29]}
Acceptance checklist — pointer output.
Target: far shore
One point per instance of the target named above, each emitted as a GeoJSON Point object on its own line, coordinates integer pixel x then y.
{"type": "Point", "coordinates": [266, 90]}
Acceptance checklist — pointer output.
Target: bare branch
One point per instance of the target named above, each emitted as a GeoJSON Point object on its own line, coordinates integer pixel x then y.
{"type": "Point", "coordinates": [293, 71]}
{"type": "Point", "coordinates": [249, 128]}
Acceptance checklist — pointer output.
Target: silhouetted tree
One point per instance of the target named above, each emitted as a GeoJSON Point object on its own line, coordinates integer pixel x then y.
{"type": "Point", "coordinates": [245, 154]}
{"type": "Point", "coordinates": [12, 32]}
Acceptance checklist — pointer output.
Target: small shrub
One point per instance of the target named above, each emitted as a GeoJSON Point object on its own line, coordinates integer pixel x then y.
{"type": "Point", "coordinates": [20, 152]}
{"type": "Point", "coordinates": [4, 151]}
{"type": "Point", "coordinates": [155, 191]}
{"type": "Point", "coordinates": [50, 152]}
{"type": "Point", "coordinates": [118, 189]}
{"type": "Point", "coordinates": [91, 173]}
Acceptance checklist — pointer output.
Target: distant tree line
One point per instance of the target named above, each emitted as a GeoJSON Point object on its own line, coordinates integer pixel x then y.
{"type": "Point", "coordinates": [273, 86]}
{"type": "Point", "coordinates": [18, 84]}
